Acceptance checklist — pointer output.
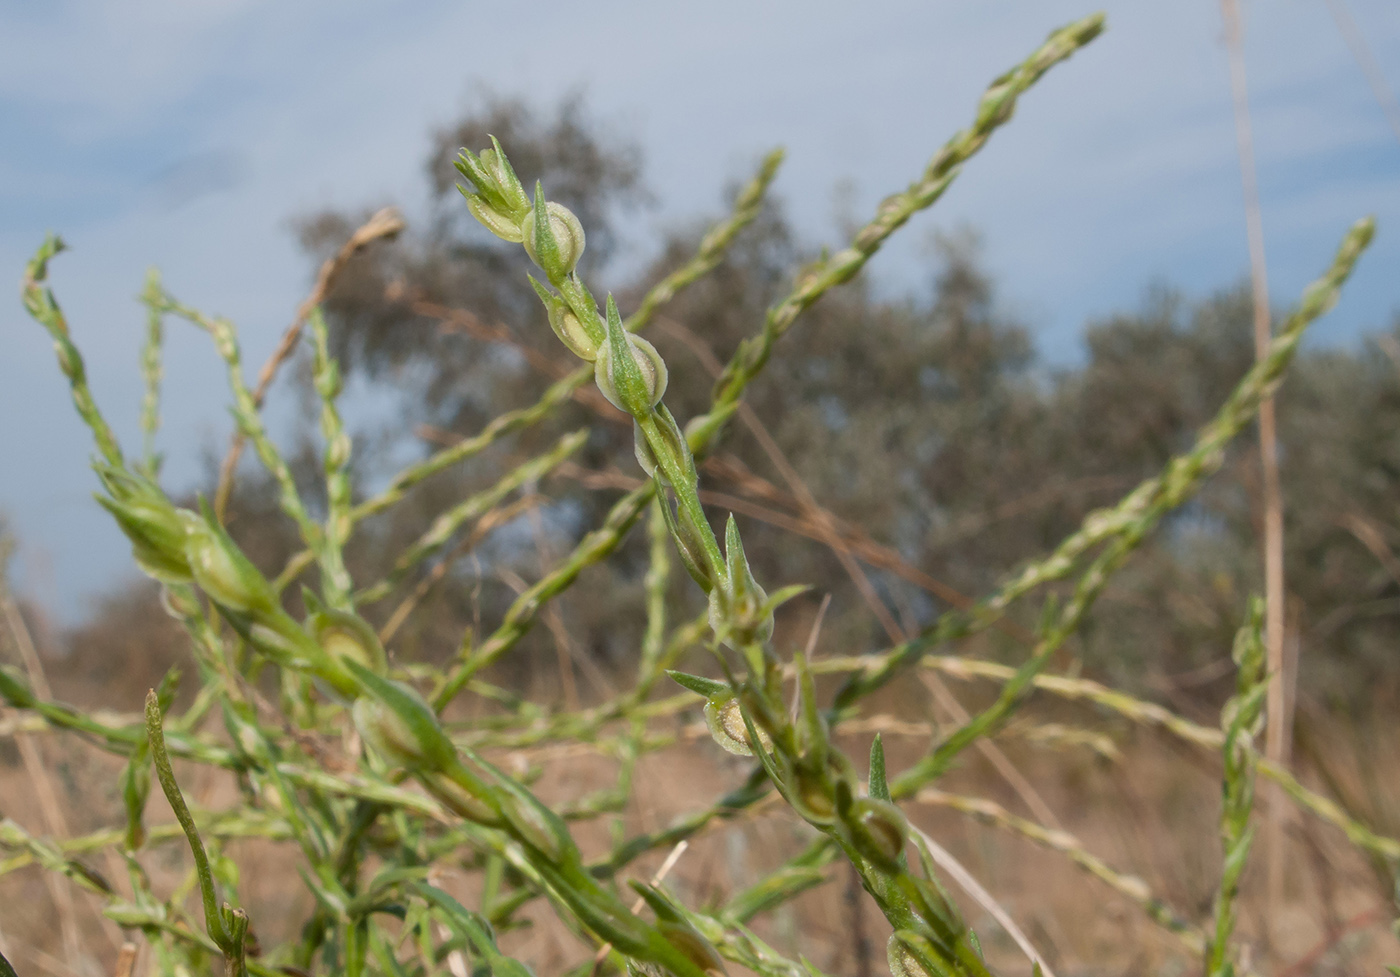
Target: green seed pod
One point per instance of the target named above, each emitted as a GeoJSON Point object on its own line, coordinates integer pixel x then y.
{"type": "Point", "coordinates": [553, 237]}
{"type": "Point", "coordinates": [739, 610]}
{"type": "Point", "coordinates": [689, 545]}
{"type": "Point", "coordinates": [698, 950]}
{"type": "Point", "coordinates": [398, 723]}
{"type": "Point", "coordinates": [678, 930]}
{"type": "Point", "coordinates": [179, 601]}
{"type": "Point", "coordinates": [343, 635]}
{"type": "Point", "coordinates": [629, 370]}
{"type": "Point", "coordinates": [535, 823]}
{"type": "Point", "coordinates": [222, 571]}
{"type": "Point", "coordinates": [672, 443]}
{"type": "Point", "coordinates": [811, 796]}
{"type": "Point", "coordinates": [492, 219]}
{"type": "Point", "coordinates": [572, 333]}
{"type": "Point", "coordinates": [388, 735]}
{"type": "Point", "coordinates": [879, 831]}
{"type": "Point", "coordinates": [284, 646]}
{"type": "Point", "coordinates": [726, 722]}
{"type": "Point", "coordinates": [460, 800]}
{"type": "Point", "coordinates": [566, 324]}
{"type": "Point", "coordinates": [399, 726]}
{"type": "Point", "coordinates": [902, 961]}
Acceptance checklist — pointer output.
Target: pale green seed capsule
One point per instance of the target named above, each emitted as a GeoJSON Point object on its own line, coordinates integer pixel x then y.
{"type": "Point", "coordinates": [902, 962]}
{"type": "Point", "coordinates": [157, 532]}
{"type": "Point", "coordinates": [810, 797]}
{"type": "Point", "coordinates": [346, 636]}
{"type": "Point", "coordinates": [492, 219]}
{"type": "Point", "coordinates": [673, 443]}
{"type": "Point", "coordinates": [698, 950]}
{"type": "Point", "coordinates": [726, 722]}
{"type": "Point", "coordinates": [570, 329]}
{"type": "Point", "coordinates": [649, 363]}
{"type": "Point", "coordinates": [571, 332]}
{"type": "Point", "coordinates": [690, 545]}
{"type": "Point", "coordinates": [281, 647]}
{"type": "Point", "coordinates": [388, 735]}
{"type": "Point", "coordinates": [460, 800]}
{"type": "Point", "coordinates": [223, 572]}
{"type": "Point", "coordinates": [879, 831]}
{"type": "Point", "coordinates": [568, 238]}
{"type": "Point", "coordinates": [536, 826]}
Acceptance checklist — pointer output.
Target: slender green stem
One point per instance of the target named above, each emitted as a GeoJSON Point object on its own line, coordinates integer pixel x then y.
{"type": "Point", "coordinates": [226, 928]}
{"type": "Point", "coordinates": [151, 372]}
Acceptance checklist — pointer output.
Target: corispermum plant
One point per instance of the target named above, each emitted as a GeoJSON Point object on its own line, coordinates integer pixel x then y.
{"type": "Point", "coordinates": [349, 755]}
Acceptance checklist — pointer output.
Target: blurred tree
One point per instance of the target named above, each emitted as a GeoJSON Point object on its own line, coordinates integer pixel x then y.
{"type": "Point", "coordinates": [943, 453]}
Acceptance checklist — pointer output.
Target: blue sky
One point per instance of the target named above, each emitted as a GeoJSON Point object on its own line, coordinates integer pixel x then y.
{"type": "Point", "coordinates": [187, 135]}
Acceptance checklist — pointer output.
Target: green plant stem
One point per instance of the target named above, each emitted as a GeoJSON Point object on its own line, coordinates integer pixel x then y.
{"type": "Point", "coordinates": [994, 109]}
{"type": "Point", "coordinates": [336, 583]}
{"type": "Point", "coordinates": [445, 526]}
{"type": "Point", "coordinates": [43, 307]}
{"type": "Point", "coordinates": [151, 372]}
{"type": "Point", "coordinates": [711, 250]}
{"type": "Point", "coordinates": [249, 418]}
{"type": "Point", "coordinates": [1240, 722]}
{"type": "Point", "coordinates": [1134, 888]}
{"type": "Point", "coordinates": [1179, 479]}
{"type": "Point", "coordinates": [227, 937]}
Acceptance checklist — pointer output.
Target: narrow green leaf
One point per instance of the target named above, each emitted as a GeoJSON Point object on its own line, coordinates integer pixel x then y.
{"type": "Point", "coordinates": [707, 687]}
{"type": "Point", "coordinates": [879, 786]}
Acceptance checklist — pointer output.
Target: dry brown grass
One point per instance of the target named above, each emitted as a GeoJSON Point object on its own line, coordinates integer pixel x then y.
{"type": "Point", "coordinates": [1150, 813]}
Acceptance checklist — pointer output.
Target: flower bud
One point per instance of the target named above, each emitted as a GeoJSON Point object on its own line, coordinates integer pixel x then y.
{"type": "Point", "coordinates": [726, 722]}
{"type": "Point", "coordinates": [739, 608]}
{"type": "Point", "coordinates": [154, 525]}
{"type": "Point", "coordinates": [879, 831]}
{"type": "Point", "coordinates": [496, 184]}
{"type": "Point", "coordinates": [553, 236]}
{"type": "Point", "coordinates": [507, 183]}
{"type": "Point", "coordinates": [629, 370]}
